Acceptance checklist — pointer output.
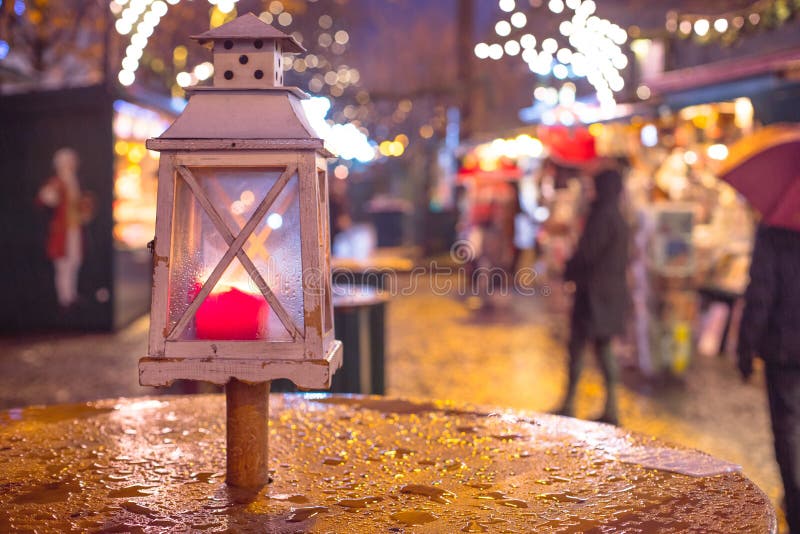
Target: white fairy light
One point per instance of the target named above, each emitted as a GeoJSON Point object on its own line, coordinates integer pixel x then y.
{"type": "Point", "coordinates": [560, 71]}
{"type": "Point", "coordinates": [594, 50]}
{"type": "Point", "coordinates": [204, 71]}
{"type": "Point", "coordinates": [527, 41]}
{"type": "Point", "coordinates": [512, 48]}
{"type": "Point", "coordinates": [556, 6]}
{"type": "Point", "coordinates": [123, 27]}
{"type": "Point", "coordinates": [126, 77]}
{"type": "Point", "coordinates": [184, 79]}
{"type": "Point", "coordinates": [502, 28]}
{"type": "Point", "coordinates": [507, 5]}
{"type": "Point", "coordinates": [519, 20]}
{"type": "Point", "coordinates": [529, 55]}
{"type": "Point", "coordinates": [482, 50]}
{"type": "Point", "coordinates": [129, 63]}
{"type": "Point", "coordinates": [701, 27]}
{"type": "Point", "coordinates": [495, 51]}
{"type": "Point", "coordinates": [550, 45]}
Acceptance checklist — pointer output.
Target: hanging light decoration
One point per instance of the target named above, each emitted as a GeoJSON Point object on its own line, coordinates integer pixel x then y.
{"type": "Point", "coordinates": [727, 27]}
{"type": "Point", "coordinates": [139, 19]}
{"type": "Point", "coordinates": [588, 46]}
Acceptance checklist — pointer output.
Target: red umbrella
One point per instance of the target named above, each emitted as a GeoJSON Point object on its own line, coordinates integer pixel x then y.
{"type": "Point", "coordinates": [765, 168]}
{"type": "Point", "coordinates": [569, 146]}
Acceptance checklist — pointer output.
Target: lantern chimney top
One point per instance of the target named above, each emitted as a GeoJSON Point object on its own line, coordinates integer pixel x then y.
{"type": "Point", "coordinates": [248, 53]}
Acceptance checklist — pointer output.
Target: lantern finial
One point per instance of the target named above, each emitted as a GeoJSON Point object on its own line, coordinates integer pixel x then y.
{"type": "Point", "coordinates": [248, 53]}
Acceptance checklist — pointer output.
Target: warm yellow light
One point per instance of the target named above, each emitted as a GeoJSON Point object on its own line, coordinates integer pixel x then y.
{"type": "Point", "coordinates": [385, 148]}
{"type": "Point", "coordinates": [396, 148]}
{"type": "Point", "coordinates": [700, 121]}
{"type": "Point", "coordinates": [596, 129]}
{"type": "Point", "coordinates": [220, 17]}
{"type": "Point", "coordinates": [402, 139]}
{"type": "Point", "coordinates": [121, 148]}
{"type": "Point", "coordinates": [426, 131]}
{"type": "Point", "coordinates": [136, 153]}
{"type": "Point", "coordinates": [179, 55]}
{"type": "Point", "coordinates": [487, 165]}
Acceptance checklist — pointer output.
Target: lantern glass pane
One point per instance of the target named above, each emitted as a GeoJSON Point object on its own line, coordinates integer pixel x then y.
{"type": "Point", "coordinates": [236, 308]}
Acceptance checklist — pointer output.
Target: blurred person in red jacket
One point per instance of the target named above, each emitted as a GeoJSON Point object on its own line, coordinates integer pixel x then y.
{"type": "Point", "coordinates": [71, 210]}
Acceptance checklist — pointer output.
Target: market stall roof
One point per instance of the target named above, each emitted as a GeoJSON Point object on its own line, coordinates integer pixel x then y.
{"type": "Point", "coordinates": [726, 79]}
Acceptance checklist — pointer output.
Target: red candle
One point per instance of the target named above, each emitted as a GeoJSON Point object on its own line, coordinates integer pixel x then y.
{"type": "Point", "coordinates": [231, 314]}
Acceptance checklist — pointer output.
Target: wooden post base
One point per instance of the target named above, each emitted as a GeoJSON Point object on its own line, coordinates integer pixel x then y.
{"type": "Point", "coordinates": [247, 434]}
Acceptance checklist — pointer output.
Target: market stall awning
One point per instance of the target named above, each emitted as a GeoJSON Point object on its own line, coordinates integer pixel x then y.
{"type": "Point", "coordinates": [727, 79]}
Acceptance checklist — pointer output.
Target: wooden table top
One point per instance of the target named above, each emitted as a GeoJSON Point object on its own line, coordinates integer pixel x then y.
{"type": "Point", "coordinates": [357, 464]}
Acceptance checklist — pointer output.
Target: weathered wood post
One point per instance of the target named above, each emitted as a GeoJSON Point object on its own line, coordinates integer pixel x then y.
{"type": "Point", "coordinates": [241, 276]}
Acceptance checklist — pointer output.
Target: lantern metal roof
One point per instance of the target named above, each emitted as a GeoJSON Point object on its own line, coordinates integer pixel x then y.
{"type": "Point", "coordinates": [225, 118]}
{"type": "Point", "coordinates": [249, 26]}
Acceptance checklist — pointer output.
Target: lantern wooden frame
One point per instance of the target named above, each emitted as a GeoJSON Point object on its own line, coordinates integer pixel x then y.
{"type": "Point", "coordinates": [311, 357]}
{"type": "Point", "coordinates": [247, 122]}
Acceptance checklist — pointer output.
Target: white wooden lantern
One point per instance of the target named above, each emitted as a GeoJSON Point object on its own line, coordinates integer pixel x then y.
{"type": "Point", "coordinates": [241, 279]}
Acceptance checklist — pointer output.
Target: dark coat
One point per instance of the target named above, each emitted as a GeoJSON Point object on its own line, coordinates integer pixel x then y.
{"type": "Point", "coordinates": [599, 264]}
{"type": "Point", "coordinates": [770, 324]}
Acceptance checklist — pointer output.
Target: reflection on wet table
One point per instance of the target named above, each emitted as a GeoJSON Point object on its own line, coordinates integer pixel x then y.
{"type": "Point", "coordinates": [358, 464]}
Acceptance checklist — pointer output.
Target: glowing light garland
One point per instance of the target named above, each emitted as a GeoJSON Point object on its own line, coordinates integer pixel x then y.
{"type": "Point", "coordinates": [592, 49]}
{"type": "Point", "coordinates": [139, 19]}
{"type": "Point", "coordinates": [729, 26]}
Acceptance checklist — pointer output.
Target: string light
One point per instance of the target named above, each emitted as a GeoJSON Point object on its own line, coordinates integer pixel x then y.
{"type": "Point", "coordinates": [512, 48]}
{"type": "Point", "coordinates": [556, 6]}
{"type": "Point", "coordinates": [729, 25]}
{"type": "Point", "coordinates": [507, 5]}
{"type": "Point", "coordinates": [502, 28]}
{"type": "Point", "coordinates": [482, 50]}
{"type": "Point", "coordinates": [594, 50]}
{"type": "Point", "coordinates": [139, 20]}
{"type": "Point", "coordinates": [701, 27]}
{"type": "Point", "coordinates": [519, 20]}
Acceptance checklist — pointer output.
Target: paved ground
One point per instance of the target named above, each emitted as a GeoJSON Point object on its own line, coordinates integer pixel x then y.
{"type": "Point", "coordinates": [439, 348]}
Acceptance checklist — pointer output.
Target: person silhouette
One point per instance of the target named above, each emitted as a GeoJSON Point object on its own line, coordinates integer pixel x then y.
{"type": "Point", "coordinates": [62, 193]}
{"type": "Point", "coordinates": [598, 270]}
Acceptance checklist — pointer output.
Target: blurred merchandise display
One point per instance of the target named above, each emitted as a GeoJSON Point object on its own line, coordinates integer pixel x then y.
{"type": "Point", "coordinates": [693, 232]}
{"type": "Point", "coordinates": [135, 170]}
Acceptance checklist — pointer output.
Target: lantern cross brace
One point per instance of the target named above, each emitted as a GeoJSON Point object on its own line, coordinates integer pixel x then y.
{"type": "Point", "coordinates": [235, 245]}
{"type": "Point", "coordinates": [256, 245]}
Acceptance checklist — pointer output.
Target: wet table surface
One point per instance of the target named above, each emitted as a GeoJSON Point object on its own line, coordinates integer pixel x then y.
{"type": "Point", "coordinates": [358, 464]}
